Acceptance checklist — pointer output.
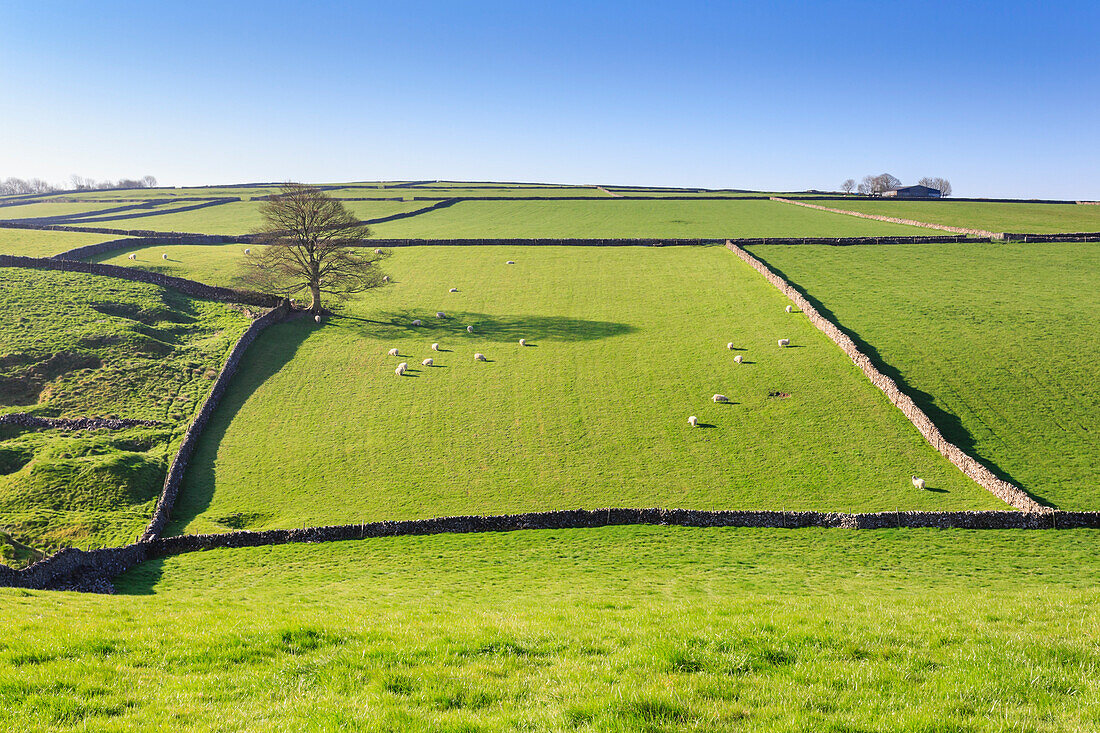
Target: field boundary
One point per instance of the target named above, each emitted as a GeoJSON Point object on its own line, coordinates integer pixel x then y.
{"type": "Point", "coordinates": [1003, 490]}
{"type": "Point", "coordinates": [893, 220]}
{"type": "Point", "coordinates": [92, 570]}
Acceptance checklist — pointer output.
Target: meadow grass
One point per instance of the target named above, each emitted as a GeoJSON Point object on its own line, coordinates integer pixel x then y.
{"type": "Point", "coordinates": [988, 215]}
{"type": "Point", "coordinates": [214, 264]}
{"type": "Point", "coordinates": [45, 243]}
{"type": "Point", "coordinates": [626, 343]}
{"type": "Point", "coordinates": [616, 629]}
{"type": "Point", "coordinates": [76, 345]}
{"type": "Point", "coordinates": [38, 210]}
{"type": "Point", "coordinates": [997, 341]}
{"type": "Point", "coordinates": [626, 219]}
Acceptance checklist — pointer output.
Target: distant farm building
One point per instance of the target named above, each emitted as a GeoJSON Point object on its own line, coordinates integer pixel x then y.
{"type": "Point", "coordinates": [913, 192]}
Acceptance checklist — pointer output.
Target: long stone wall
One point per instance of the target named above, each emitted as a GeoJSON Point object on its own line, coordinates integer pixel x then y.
{"type": "Point", "coordinates": [1003, 490]}
{"type": "Point", "coordinates": [189, 287]}
{"type": "Point", "coordinates": [1060, 237]}
{"type": "Point", "coordinates": [212, 238]}
{"type": "Point", "coordinates": [164, 240]}
{"type": "Point", "coordinates": [172, 482]}
{"type": "Point", "coordinates": [23, 420]}
{"type": "Point", "coordinates": [666, 242]}
{"type": "Point", "coordinates": [92, 570]}
{"type": "Point", "coordinates": [892, 219]}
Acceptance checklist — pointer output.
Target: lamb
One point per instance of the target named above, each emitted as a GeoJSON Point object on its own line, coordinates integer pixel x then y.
{"type": "Point", "coordinates": [131, 257]}
{"type": "Point", "coordinates": [427, 362]}
{"type": "Point", "coordinates": [435, 347]}
{"type": "Point", "coordinates": [453, 290]}
{"type": "Point", "coordinates": [738, 358]}
{"type": "Point", "coordinates": [393, 352]}
{"type": "Point", "coordinates": [788, 309]}
{"type": "Point", "coordinates": [479, 356]}
{"type": "Point", "coordinates": [469, 329]}
{"type": "Point", "coordinates": [401, 368]}
{"type": "Point", "coordinates": [385, 278]}
{"type": "Point", "coordinates": [693, 421]}
{"type": "Point", "coordinates": [378, 251]}
{"type": "Point", "coordinates": [164, 256]}
{"type": "Point", "coordinates": [730, 346]}
{"type": "Point", "coordinates": [523, 342]}
{"type": "Point", "coordinates": [783, 343]}
{"type": "Point", "coordinates": [440, 314]}
{"type": "Point", "coordinates": [416, 322]}
{"type": "Point", "coordinates": [720, 398]}
{"type": "Point", "coordinates": [317, 318]}
{"type": "Point", "coordinates": [248, 250]}
{"type": "Point", "coordinates": [511, 262]}
{"type": "Point", "coordinates": [918, 483]}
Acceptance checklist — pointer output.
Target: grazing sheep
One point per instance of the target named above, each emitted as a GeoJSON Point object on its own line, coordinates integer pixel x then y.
{"type": "Point", "coordinates": [918, 483]}
{"type": "Point", "coordinates": [479, 356]}
{"type": "Point", "coordinates": [440, 314]}
{"type": "Point", "coordinates": [693, 421]}
{"type": "Point", "coordinates": [511, 262]}
{"type": "Point", "coordinates": [720, 398]}
{"type": "Point", "coordinates": [784, 342]}
{"type": "Point", "coordinates": [469, 329]}
{"type": "Point", "coordinates": [435, 347]}
{"type": "Point", "coordinates": [393, 352]}
{"type": "Point", "coordinates": [416, 322]}
{"type": "Point", "coordinates": [730, 346]}
{"type": "Point", "coordinates": [738, 358]}
{"type": "Point", "coordinates": [131, 257]}
{"type": "Point", "coordinates": [317, 318]}
{"type": "Point", "coordinates": [523, 342]}
{"type": "Point", "coordinates": [453, 290]}
{"type": "Point", "coordinates": [401, 368]}
{"type": "Point", "coordinates": [378, 251]}
{"type": "Point", "coordinates": [164, 256]}
{"type": "Point", "coordinates": [385, 278]}
{"type": "Point", "coordinates": [248, 250]}
{"type": "Point", "coordinates": [427, 362]}
{"type": "Point", "coordinates": [789, 309]}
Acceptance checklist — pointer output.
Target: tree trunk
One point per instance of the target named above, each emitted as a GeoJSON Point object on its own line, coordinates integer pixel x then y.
{"type": "Point", "coordinates": [315, 291]}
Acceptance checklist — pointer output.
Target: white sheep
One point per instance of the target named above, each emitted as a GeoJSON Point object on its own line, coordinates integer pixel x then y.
{"type": "Point", "coordinates": [511, 262]}
{"type": "Point", "coordinates": [523, 342]}
{"type": "Point", "coordinates": [393, 352]}
{"type": "Point", "coordinates": [469, 329]}
{"type": "Point", "coordinates": [164, 256]}
{"type": "Point", "coordinates": [479, 356]}
{"type": "Point", "coordinates": [131, 257]}
{"type": "Point", "coordinates": [378, 251]}
{"type": "Point", "coordinates": [730, 346]}
{"type": "Point", "coordinates": [918, 483]}
{"type": "Point", "coordinates": [453, 290]}
{"type": "Point", "coordinates": [248, 250]}
{"type": "Point", "coordinates": [317, 318]}
{"type": "Point", "coordinates": [401, 368]}
{"type": "Point", "coordinates": [440, 314]}
{"type": "Point", "coordinates": [693, 421]}
{"type": "Point", "coordinates": [720, 398]}
{"type": "Point", "coordinates": [738, 358]}
{"type": "Point", "coordinates": [427, 362]}
{"type": "Point", "coordinates": [385, 278]}
{"type": "Point", "coordinates": [416, 322]}
{"type": "Point", "coordinates": [435, 347]}
{"type": "Point", "coordinates": [784, 342]}
{"type": "Point", "coordinates": [788, 309]}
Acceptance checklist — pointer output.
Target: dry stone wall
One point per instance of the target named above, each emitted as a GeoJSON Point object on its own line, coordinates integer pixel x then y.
{"type": "Point", "coordinates": [1003, 490]}
{"type": "Point", "coordinates": [23, 420]}
{"type": "Point", "coordinates": [892, 219]}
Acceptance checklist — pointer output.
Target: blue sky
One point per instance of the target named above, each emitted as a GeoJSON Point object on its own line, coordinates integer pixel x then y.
{"type": "Point", "coordinates": [1001, 98]}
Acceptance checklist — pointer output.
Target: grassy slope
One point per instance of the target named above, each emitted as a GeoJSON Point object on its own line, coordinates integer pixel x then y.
{"type": "Point", "coordinates": [213, 264]}
{"type": "Point", "coordinates": [621, 629]}
{"type": "Point", "coordinates": [38, 243]}
{"type": "Point", "coordinates": [33, 211]}
{"type": "Point", "coordinates": [1002, 339]}
{"type": "Point", "coordinates": [994, 217]}
{"type": "Point", "coordinates": [75, 345]}
{"type": "Point", "coordinates": [627, 342]}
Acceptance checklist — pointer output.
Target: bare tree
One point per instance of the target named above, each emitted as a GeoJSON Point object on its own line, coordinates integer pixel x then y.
{"type": "Point", "coordinates": [848, 186]}
{"type": "Point", "coordinates": [877, 185]}
{"type": "Point", "coordinates": [311, 243]}
{"type": "Point", "coordinates": [149, 181]}
{"type": "Point", "coordinates": [940, 184]}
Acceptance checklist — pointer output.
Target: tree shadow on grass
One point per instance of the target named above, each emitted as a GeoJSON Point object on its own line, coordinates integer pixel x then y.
{"type": "Point", "coordinates": [269, 353]}
{"type": "Point", "coordinates": [949, 424]}
{"type": "Point", "coordinates": [398, 324]}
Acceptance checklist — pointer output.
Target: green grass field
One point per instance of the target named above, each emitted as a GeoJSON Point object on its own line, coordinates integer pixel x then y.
{"type": "Point", "coordinates": [45, 243]}
{"type": "Point", "coordinates": [34, 211]}
{"type": "Point", "coordinates": [213, 264]}
{"type": "Point", "coordinates": [998, 340]}
{"type": "Point", "coordinates": [74, 345]}
{"type": "Point", "coordinates": [991, 216]}
{"type": "Point", "coordinates": [618, 629]}
{"type": "Point", "coordinates": [626, 344]}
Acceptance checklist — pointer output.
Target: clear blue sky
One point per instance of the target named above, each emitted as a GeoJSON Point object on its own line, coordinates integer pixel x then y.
{"type": "Point", "coordinates": [1002, 98]}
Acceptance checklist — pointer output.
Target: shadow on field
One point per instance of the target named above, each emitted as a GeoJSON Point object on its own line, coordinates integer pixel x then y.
{"type": "Point", "coordinates": [948, 423]}
{"type": "Point", "coordinates": [398, 324]}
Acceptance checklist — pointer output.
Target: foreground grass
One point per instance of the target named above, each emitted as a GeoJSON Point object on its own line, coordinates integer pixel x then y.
{"type": "Point", "coordinates": [991, 216]}
{"type": "Point", "coordinates": [619, 629]}
{"type": "Point", "coordinates": [36, 243]}
{"type": "Point", "coordinates": [74, 345]}
{"type": "Point", "coordinates": [626, 343]}
{"type": "Point", "coordinates": [999, 342]}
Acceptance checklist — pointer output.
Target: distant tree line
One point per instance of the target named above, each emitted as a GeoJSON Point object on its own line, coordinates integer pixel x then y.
{"type": "Point", "coordinates": [877, 185]}
{"type": "Point", "coordinates": [11, 186]}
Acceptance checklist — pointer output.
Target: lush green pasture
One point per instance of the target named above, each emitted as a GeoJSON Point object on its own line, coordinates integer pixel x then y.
{"type": "Point", "coordinates": [625, 219]}
{"type": "Point", "coordinates": [45, 243]}
{"type": "Point", "coordinates": [74, 345]}
{"type": "Point", "coordinates": [34, 211]}
{"type": "Point", "coordinates": [619, 629]}
{"type": "Point", "coordinates": [472, 192]}
{"type": "Point", "coordinates": [999, 341]}
{"type": "Point", "coordinates": [213, 264]}
{"type": "Point", "coordinates": [626, 343]}
{"type": "Point", "coordinates": [994, 217]}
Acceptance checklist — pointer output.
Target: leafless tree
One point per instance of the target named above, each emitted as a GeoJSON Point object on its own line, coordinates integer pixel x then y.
{"type": "Point", "coordinates": [149, 181]}
{"type": "Point", "coordinates": [848, 186]}
{"type": "Point", "coordinates": [310, 242]}
{"type": "Point", "coordinates": [876, 185]}
{"type": "Point", "coordinates": [940, 184]}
